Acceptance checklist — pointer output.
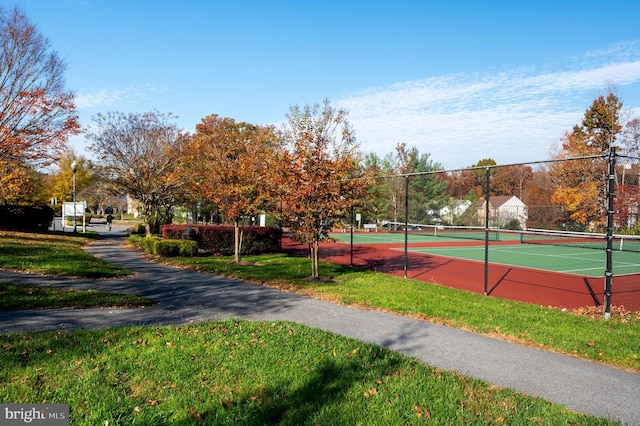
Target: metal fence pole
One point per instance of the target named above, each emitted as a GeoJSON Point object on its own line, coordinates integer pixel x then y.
{"type": "Point", "coordinates": [608, 274]}
{"type": "Point", "coordinates": [487, 191]}
{"type": "Point", "coordinates": [351, 239]}
{"type": "Point", "coordinates": [406, 225]}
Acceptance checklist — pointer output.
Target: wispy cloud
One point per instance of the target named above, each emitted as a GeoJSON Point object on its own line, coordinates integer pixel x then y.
{"type": "Point", "coordinates": [511, 116]}
{"type": "Point", "coordinates": [115, 97]}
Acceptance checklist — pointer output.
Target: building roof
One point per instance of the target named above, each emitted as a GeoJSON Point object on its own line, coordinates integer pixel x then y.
{"type": "Point", "coordinates": [498, 200]}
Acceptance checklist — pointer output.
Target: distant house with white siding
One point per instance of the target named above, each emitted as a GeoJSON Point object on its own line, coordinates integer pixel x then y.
{"type": "Point", "coordinates": [453, 211]}
{"type": "Point", "coordinates": [502, 210]}
{"type": "Point", "coordinates": [133, 206]}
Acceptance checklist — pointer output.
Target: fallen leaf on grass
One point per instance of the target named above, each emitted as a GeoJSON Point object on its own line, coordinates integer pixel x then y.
{"type": "Point", "coordinates": [372, 391]}
{"type": "Point", "coordinates": [421, 411]}
{"type": "Point", "coordinates": [195, 415]}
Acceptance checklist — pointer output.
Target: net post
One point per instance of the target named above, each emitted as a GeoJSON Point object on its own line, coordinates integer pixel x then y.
{"type": "Point", "coordinates": [611, 187]}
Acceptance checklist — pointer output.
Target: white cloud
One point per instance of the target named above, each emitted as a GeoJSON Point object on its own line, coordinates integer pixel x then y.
{"type": "Point", "coordinates": [103, 98]}
{"type": "Point", "coordinates": [510, 116]}
{"type": "Point", "coordinates": [115, 97]}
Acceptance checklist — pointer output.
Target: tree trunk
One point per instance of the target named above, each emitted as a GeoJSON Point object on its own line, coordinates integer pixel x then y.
{"type": "Point", "coordinates": [236, 255]}
{"type": "Point", "coordinates": [315, 270]}
{"type": "Point", "coordinates": [147, 218]}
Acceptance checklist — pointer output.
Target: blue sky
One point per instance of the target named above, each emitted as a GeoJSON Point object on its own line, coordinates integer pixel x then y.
{"type": "Point", "coordinates": [460, 80]}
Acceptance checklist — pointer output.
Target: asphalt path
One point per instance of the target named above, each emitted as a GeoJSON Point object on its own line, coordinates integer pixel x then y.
{"type": "Point", "coordinates": [185, 297]}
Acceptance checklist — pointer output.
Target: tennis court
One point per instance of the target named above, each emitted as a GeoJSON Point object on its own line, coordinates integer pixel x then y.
{"type": "Point", "coordinates": [570, 253]}
{"type": "Point", "coordinates": [459, 263]}
{"type": "Point", "coordinates": [570, 260]}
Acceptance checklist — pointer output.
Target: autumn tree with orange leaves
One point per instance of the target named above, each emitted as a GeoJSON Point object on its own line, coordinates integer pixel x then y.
{"type": "Point", "coordinates": [37, 115]}
{"type": "Point", "coordinates": [579, 183]}
{"type": "Point", "coordinates": [322, 173]}
{"type": "Point", "coordinates": [231, 164]}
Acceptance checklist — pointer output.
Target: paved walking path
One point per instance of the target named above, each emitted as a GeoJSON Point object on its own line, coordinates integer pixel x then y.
{"type": "Point", "coordinates": [188, 297]}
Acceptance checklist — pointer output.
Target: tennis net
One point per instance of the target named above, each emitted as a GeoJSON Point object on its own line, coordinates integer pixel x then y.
{"type": "Point", "coordinates": [629, 243]}
{"type": "Point", "coordinates": [447, 231]}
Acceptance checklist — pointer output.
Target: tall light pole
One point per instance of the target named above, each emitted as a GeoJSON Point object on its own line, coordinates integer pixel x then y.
{"type": "Point", "coordinates": [74, 168]}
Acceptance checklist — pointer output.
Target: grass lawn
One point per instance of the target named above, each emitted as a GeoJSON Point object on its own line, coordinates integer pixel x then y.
{"type": "Point", "coordinates": [250, 373]}
{"type": "Point", "coordinates": [16, 296]}
{"type": "Point", "coordinates": [54, 254]}
{"type": "Point", "coordinates": [245, 373]}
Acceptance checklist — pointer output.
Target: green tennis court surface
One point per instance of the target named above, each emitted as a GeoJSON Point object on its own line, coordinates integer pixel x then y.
{"type": "Point", "coordinates": [557, 258]}
{"type": "Point", "coordinates": [571, 260]}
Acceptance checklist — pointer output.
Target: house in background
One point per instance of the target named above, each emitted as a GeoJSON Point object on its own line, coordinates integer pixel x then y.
{"type": "Point", "coordinates": [502, 210]}
{"type": "Point", "coordinates": [133, 206]}
{"type": "Point", "coordinates": [450, 213]}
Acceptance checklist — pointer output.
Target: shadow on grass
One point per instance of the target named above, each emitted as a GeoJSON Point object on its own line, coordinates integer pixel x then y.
{"type": "Point", "coordinates": [325, 395]}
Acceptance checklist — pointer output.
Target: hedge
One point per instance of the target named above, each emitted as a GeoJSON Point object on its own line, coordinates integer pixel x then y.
{"type": "Point", "coordinates": [26, 218]}
{"type": "Point", "coordinates": [172, 248]}
{"type": "Point", "coordinates": [162, 247]}
{"type": "Point", "coordinates": [219, 239]}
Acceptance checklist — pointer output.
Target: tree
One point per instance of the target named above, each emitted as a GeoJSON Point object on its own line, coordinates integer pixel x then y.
{"type": "Point", "coordinates": [139, 152]}
{"type": "Point", "coordinates": [510, 180]}
{"type": "Point", "coordinates": [15, 181]}
{"type": "Point", "coordinates": [463, 184]}
{"type": "Point", "coordinates": [62, 180]}
{"type": "Point", "coordinates": [631, 137]}
{"type": "Point", "coordinates": [541, 212]}
{"type": "Point", "coordinates": [36, 114]}
{"type": "Point", "coordinates": [601, 123]}
{"type": "Point", "coordinates": [374, 203]}
{"type": "Point", "coordinates": [323, 177]}
{"type": "Point", "coordinates": [579, 183]}
{"type": "Point", "coordinates": [230, 164]}
{"type": "Point", "coordinates": [426, 189]}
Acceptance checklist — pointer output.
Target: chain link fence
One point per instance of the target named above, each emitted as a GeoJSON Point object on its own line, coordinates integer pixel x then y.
{"type": "Point", "coordinates": [570, 225]}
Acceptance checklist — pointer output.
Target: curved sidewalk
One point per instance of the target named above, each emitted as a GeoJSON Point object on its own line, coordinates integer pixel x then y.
{"type": "Point", "coordinates": [188, 297]}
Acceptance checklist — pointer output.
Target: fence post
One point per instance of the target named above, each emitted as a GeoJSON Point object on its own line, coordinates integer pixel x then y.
{"type": "Point", "coordinates": [351, 238]}
{"type": "Point", "coordinates": [608, 274]}
{"type": "Point", "coordinates": [487, 191]}
{"type": "Point", "coordinates": [406, 225]}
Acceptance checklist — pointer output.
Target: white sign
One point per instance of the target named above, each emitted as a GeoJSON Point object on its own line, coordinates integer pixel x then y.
{"type": "Point", "coordinates": [68, 210]}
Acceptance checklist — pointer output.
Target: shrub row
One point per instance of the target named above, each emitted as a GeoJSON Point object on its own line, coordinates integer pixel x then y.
{"type": "Point", "coordinates": [162, 247]}
{"type": "Point", "coordinates": [219, 239]}
{"type": "Point", "coordinates": [26, 218]}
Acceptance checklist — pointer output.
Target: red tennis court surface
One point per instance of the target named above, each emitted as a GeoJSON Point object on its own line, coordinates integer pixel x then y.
{"type": "Point", "coordinates": [507, 282]}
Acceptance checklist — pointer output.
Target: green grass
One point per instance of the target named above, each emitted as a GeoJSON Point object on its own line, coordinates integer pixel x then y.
{"type": "Point", "coordinates": [53, 254]}
{"type": "Point", "coordinates": [248, 373]}
{"type": "Point", "coordinates": [615, 341]}
{"type": "Point", "coordinates": [17, 296]}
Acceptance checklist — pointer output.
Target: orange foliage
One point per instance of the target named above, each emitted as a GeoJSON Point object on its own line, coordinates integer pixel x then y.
{"type": "Point", "coordinates": [36, 114]}
{"type": "Point", "coordinates": [15, 182]}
